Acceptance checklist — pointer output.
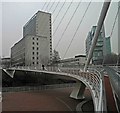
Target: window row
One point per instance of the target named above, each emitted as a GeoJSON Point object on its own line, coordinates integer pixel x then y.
{"type": "Point", "coordinates": [34, 48]}
{"type": "Point", "coordinates": [36, 53]}
{"type": "Point", "coordinates": [34, 38]}
{"type": "Point", "coordinates": [36, 62]}
{"type": "Point", "coordinates": [34, 43]}
{"type": "Point", "coordinates": [34, 58]}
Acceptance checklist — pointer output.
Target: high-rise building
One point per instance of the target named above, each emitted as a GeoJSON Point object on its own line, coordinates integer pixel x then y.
{"type": "Point", "coordinates": [102, 48]}
{"type": "Point", "coordinates": [108, 46]}
{"type": "Point", "coordinates": [35, 48]}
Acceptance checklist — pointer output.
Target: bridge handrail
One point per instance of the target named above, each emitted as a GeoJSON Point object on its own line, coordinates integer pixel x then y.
{"type": "Point", "coordinates": [92, 77]}
{"type": "Point", "coordinates": [100, 105]}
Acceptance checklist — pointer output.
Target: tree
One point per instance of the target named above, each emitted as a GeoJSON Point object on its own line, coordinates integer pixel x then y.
{"type": "Point", "coordinates": [56, 56]}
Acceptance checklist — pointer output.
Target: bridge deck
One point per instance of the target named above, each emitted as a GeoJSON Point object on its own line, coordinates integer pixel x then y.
{"type": "Point", "coordinates": [47, 100]}
{"type": "Point", "coordinates": [109, 95]}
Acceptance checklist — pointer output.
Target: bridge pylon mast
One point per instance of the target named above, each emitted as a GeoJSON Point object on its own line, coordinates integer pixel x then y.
{"type": "Point", "coordinates": [99, 26]}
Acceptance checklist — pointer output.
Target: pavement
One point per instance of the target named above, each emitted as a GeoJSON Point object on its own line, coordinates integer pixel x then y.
{"type": "Point", "coordinates": [46, 100]}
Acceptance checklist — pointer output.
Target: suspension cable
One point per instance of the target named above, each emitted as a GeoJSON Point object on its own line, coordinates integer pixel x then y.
{"type": "Point", "coordinates": [115, 20]}
{"type": "Point", "coordinates": [118, 31]}
{"type": "Point", "coordinates": [43, 6]}
{"type": "Point", "coordinates": [56, 7]}
{"type": "Point", "coordinates": [52, 5]}
{"type": "Point", "coordinates": [63, 17]}
{"type": "Point", "coordinates": [49, 10]}
{"type": "Point", "coordinates": [77, 29]}
{"type": "Point", "coordinates": [59, 12]}
{"type": "Point", "coordinates": [47, 5]}
{"type": "Point", "coordinates": [68, 24]}
{"type": "Point", "coordinates": [43, 15]}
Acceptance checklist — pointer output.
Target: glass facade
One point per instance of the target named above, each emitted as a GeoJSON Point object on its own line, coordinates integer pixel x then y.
{"type": "Point", "coordinates": [108, 45]}
{"type": "Point", "coordinates": [102, 48]}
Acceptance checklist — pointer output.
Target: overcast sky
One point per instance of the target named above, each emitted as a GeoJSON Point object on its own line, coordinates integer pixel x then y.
{"type": "Point", "coordinates": [16, 14]}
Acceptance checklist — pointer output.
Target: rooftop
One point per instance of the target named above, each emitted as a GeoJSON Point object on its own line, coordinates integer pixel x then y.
{"type": "Point", "coordinates": [34, 16]}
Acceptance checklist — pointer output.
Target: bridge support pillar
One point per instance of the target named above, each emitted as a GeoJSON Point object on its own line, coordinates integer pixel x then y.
{"type": "Point", "coordinates": [78, 91]}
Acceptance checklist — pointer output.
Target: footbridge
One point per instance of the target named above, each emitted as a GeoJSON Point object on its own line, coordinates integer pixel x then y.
{"type": "Point", "coordinates": [91, 79]}
{"type": "Point", "coordinates": [103, 88]}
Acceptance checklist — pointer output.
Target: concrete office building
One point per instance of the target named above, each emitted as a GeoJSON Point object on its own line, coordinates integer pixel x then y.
{"type": "Point", "coordinates": [103, 46]}
{"type": "Point", "coordinates": [35, 48]}
{"type": "Point", "coordinates": [77, 61]}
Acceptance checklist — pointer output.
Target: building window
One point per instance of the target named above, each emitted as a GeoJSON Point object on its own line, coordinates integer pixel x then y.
{"type": "Point", "coordinates": [37, 62]}
{"type": "Point", "coordinates": [37, 53]}
{"type": "Point", "coordinates": [37, 38]}
{"type": "Point", "coordinates": [33, 38]}
{"type": "Point", "coordinates": [33, 48]}
{"type": "Point", "coordinates": [37, 58]}
{"type": "Point", "coordinates": [33, 43]}
{"type": "Point", "coordinates": [36, 29]}
{"type": "Point", "coordinates": [37, 43]}
{"type": "Point", "coordinates": [33, 58]}
{"type": "Point", "coordinates": [37, 48]}
{"type": "Point", "coordinates": [33, 53]}
{"type": "Point", "coordinates": [33, 63]}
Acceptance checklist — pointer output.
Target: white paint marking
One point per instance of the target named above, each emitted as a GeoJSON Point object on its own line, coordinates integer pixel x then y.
{"type": "Point", "coordinates": [64, 103]}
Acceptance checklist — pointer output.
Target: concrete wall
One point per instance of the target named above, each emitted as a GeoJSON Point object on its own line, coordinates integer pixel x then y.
{"type": "Point", "coordinates": [30, 27]}
{"type": "Point", "coordinates": [44, 28]}
{"type": "Point", "coordinates": [36, 51]}
{"type": "Point", "coordinates": [18, 53]}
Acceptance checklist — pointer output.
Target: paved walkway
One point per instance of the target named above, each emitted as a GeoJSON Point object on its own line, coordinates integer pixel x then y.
{"type": "Point", "coordinates": [47, 100]}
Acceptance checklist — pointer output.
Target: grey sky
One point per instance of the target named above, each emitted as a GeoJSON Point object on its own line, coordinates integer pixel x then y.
{"type": "Point", "coordinates": [16, 14]}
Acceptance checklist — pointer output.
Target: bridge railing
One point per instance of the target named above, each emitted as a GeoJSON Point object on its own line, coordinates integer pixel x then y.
{"type": "Point", "coordinates": [26, 67]}
{"type": "Point", "coordinates": [92, 78]}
